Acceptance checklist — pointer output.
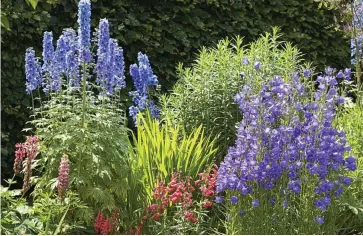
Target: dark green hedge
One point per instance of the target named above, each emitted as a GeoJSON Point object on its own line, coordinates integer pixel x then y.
{"type": "Point", "coordinates": [169, 31]}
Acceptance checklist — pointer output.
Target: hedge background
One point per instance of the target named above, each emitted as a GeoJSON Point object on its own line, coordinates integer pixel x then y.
{"type": "Point", "coordinates": [169, 31]}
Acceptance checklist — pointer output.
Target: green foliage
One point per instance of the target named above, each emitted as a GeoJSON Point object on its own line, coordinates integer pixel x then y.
{"type": "Point", "coordinates": [95, 146]}
{"type": "Point", "coordinates": [168, 31]}
{"type": "Point", "coordinates": [161, 149]}
{"type": "Point", "coordinates": [351, 121]}
{"type": "Point", "coordinates": [43, 216]}
{"type": "Point", "coordinates": [204, 95]}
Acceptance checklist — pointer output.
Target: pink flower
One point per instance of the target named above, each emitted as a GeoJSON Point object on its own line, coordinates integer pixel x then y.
{"type": "Point", "coordinates": [63, 176]}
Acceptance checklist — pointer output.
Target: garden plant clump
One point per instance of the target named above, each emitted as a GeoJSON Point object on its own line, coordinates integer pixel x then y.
{"type": "Point", "coordinates": [252, 140]}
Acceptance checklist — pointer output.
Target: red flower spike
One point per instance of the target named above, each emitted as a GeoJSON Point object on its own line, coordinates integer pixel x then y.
{"type": "Point", "coordinates": [156, 217]}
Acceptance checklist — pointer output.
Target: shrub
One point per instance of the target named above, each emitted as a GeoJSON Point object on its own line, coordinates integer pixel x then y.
{"type": "Point", "coordinates": [350, 119]}
{"type": "Point", "coordinates": [204, 94]}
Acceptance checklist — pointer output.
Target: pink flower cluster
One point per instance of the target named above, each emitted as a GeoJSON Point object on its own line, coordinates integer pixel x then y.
{"type": "Point", "coordinates": [28, 150]}
{"type": "Point", "coordinates": [105, 225]}
{"type": "Point", "coordinates": [207, 182]}
{"type": "Point", "coordinates": [179, 191]}
{"type": "Point", "coordinates": [63, 176]}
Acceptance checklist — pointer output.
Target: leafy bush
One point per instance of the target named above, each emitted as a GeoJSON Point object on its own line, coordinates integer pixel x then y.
{"type": "Point", "coordinates": [96, 147]}
{"type": "Point", "coordinates": [158, 150]}
{"type": "Point", "coordinates": [46, 215]}
{"type": "Point", "coordinates": [204, 94]}
{"type": "Point", "coordinates": [350, 119]}
{"type": "Point", "coordinates": [288, 167]}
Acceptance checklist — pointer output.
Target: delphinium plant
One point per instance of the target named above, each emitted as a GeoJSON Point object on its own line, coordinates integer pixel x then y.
{"type": "Point", "coordinates": [204, 93]}
{"type": "Point", "coordinates": [143, 78]}
{"type": "Point", "coordinates": [82, 116]}
{"type": "Point", "coordinates": [288, 166]}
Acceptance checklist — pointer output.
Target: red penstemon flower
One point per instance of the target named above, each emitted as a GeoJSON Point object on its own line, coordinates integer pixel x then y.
{"type": "Point", "coordinates": [179, 191]}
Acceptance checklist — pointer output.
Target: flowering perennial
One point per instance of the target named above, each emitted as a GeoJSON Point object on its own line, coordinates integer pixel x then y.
{"type": "Point", "coordinates": [282, 136]}
{"type": "Point", "coordinates": [73, 52]}
{"type": "Point", "coordinates": [63, 176]}
{"type": "Point", "coordinates": [143, 77]}
{"type": "Point", "coordinates": [28, 150]}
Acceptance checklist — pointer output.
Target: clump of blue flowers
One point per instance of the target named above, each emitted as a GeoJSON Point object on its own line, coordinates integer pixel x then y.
{"type": "Point", "coordinates": [143, 78]}
{"type": "Point", "coordinates": [73, 61]}
{"type": "Point", "coordinates": [287, 150]}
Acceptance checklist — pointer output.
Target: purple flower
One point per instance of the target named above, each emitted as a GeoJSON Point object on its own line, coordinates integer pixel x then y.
{"type": "Point", "coordinates": [272, 201]}
{"type": "Point", "coordinates": [219, 199]}
{"type": "Point", "coordinates": [307, 73]}
{"type": "Point", "coordinates": [32, 71]}
{"type": "Point", "coordinates": [241, 212]}
{"type": "Point", "coordinates": [257, 65]}
{"type": "Point", "coordinates": [143, 77]}
{"type": "Point", "coordinates": [338, 192]}
{"type": "Point", "coordinates": [84, 30]}
{"type": "Point", "coordinates": [340, 75]}
{"type": "Point", "coordinates": [234, 200]}
{"type": "Point", "coordinates": [255, 203]}
{"type": "Point", "coordinates": [347, 73]}
{"type": "Point", "coordinates": [245, 61]}
{"type": "Point", "coordinates": [320, 220]}
{"type": "Point", "coordinates": [48, 49]}
{"type": "Point", "coordinates": [346, 180]}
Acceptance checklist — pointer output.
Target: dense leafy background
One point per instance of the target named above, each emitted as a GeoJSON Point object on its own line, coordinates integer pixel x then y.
{"type": "Point", "coordinates": [169, 31]}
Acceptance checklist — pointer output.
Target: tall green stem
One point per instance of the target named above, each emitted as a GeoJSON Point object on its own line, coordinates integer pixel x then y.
{"type": "Point", "coordinates": [84, 84]}
{"type": "Point", "coordinates": [84, 95]}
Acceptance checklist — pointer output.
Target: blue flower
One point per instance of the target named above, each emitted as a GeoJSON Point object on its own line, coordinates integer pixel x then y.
{"type": "Point", "coordinates": [272, 201]}
{"type": "Point", "coordinates": [48, 49]}
{"type": "Point", "coordinates": [320, 220]}
{"type": "Point", "coordinates": [234, 200]}
{"type": "Point", "coordinates": [84, 30]}
{"type": "Point", "coordinates": [245, 61]}
{"type": "Point", "coordinates": [255, 203]}
{"type": "Point", "coordinates": [307, 73]}
{"type": "Point", "coordinates": [143, 77]}
{"type": "Point", "coordinates": [257, 65]}
{"type": "Point", "coordinates": [347, 73]}
{"type": "Point", "coordinates": [241, 212]}
{"type": "Point", "coordinates": [32, 71]}
{"type": "Point", "coordinates": [219, 199]}
{"type": "Point", "coordinates": [340, 75]}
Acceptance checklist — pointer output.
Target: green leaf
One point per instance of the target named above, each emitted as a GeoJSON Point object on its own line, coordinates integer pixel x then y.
{"type": "Point", "coordinates": [34, 3]}
{"type": "Point", "coordinates": [5, 22]}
